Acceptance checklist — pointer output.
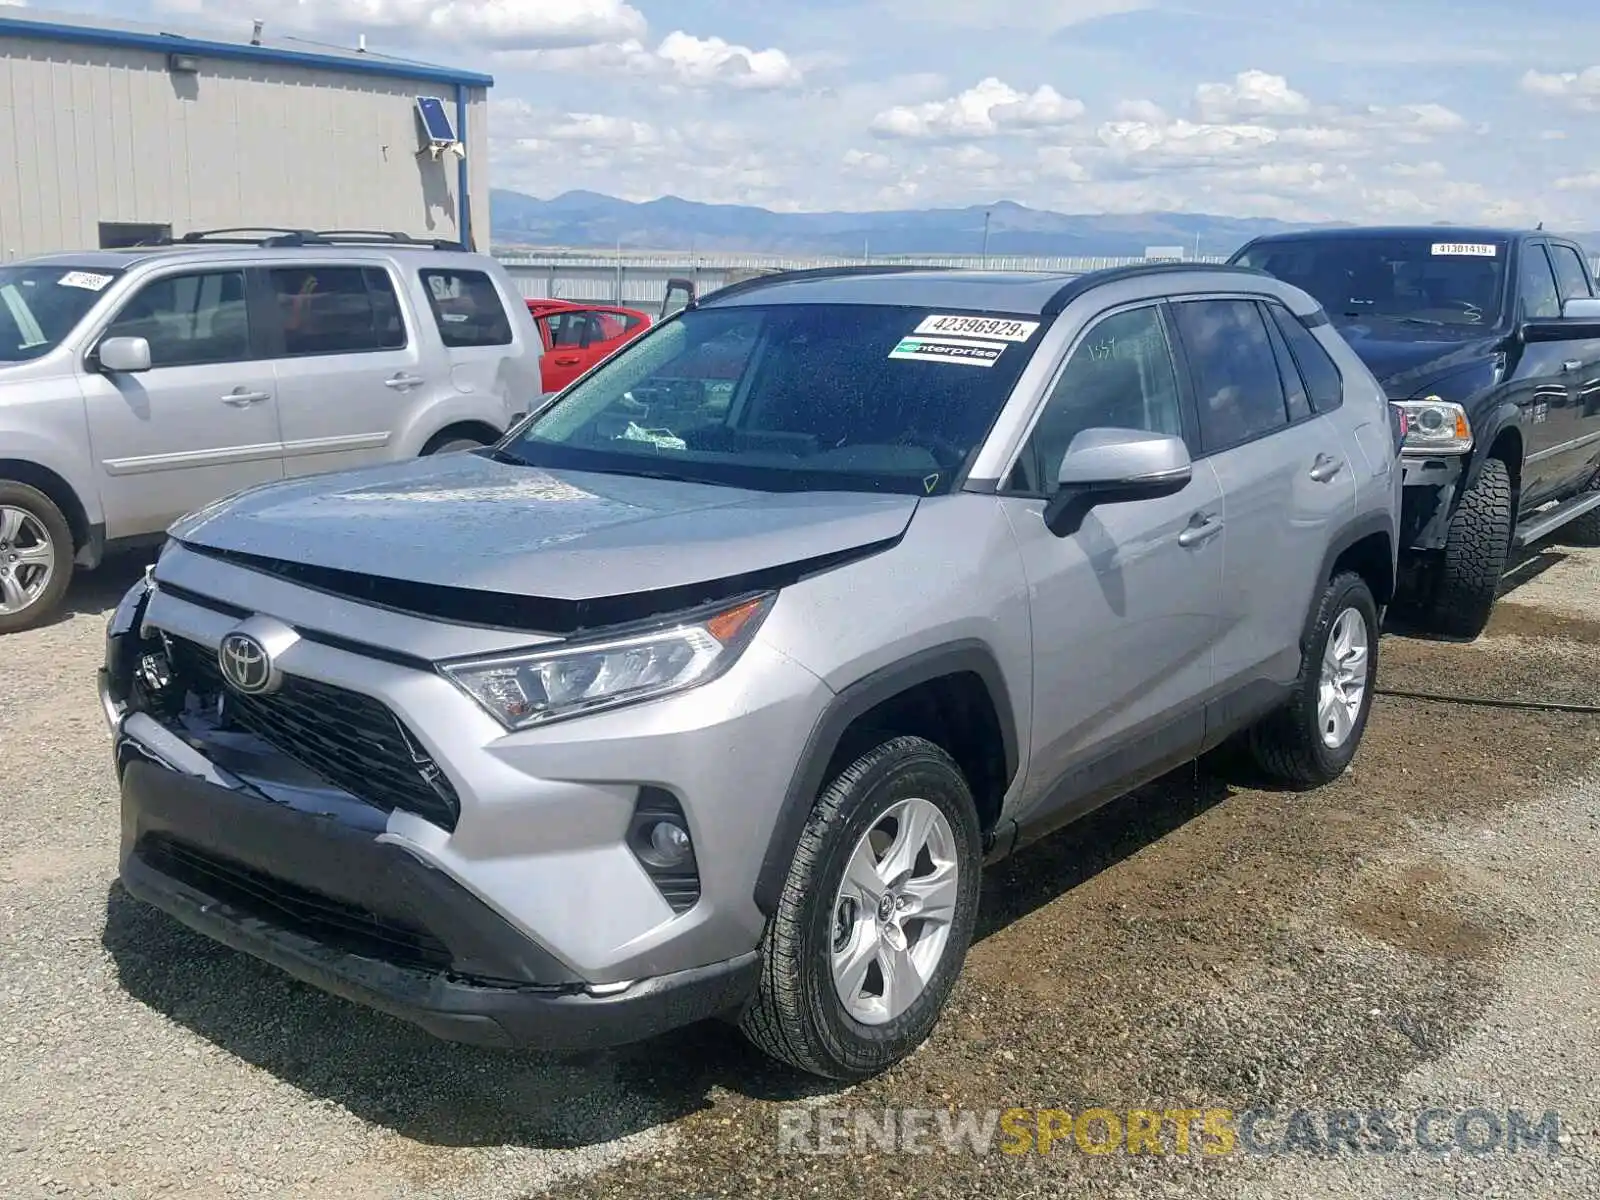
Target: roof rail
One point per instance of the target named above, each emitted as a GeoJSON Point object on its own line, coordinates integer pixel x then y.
{"type": "Point", "coordinates": [761, 281]}
{"type": "Point", "coordinates": [278, 236]}
{"type": "Point", "coordinates": [1093, 279]}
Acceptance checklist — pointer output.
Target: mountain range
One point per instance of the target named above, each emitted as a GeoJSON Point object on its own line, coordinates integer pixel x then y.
{"type": "Point", "coordinates": [588, 219]}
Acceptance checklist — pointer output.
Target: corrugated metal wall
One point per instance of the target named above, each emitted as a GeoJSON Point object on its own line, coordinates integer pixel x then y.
{"type": "Point", "coordinates": [91, 134]}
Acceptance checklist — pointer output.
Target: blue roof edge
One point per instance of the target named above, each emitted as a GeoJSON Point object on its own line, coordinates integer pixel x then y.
{"type": "Point", "coordinates": [174, 43]}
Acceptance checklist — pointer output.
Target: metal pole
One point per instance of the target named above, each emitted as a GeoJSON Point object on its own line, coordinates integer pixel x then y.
{"type": "Point", "coordinates": [986, 215]}
{"type": "Point", "coordinates": [617, 299]}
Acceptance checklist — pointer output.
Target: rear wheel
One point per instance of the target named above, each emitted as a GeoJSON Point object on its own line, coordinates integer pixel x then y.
{"type": "Point", "coordinates": [451, 444]}
{"type": "Point", "coordinates": [1312, 739]}
{"type": "Point", "coordinates": [1475, 552]}
{"type": "Point", "coordinates": [36, 557]}
{"type": "Point", "coordinates": [875, 918]}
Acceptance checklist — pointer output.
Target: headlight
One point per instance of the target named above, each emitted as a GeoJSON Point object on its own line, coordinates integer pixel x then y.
{"type": "Point", "coordinates": [1435, 426]}
{"type": "Point", "coordinates": [523, 690]}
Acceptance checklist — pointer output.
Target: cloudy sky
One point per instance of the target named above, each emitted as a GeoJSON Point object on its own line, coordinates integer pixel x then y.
{"type": "Point", "coordinates": [1301, 109]}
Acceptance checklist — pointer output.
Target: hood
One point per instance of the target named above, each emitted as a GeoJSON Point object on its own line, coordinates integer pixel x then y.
{"type": "Point", "coordinates": [462, 521]}
{"type": "Point", "coordinates": [1405, 358]}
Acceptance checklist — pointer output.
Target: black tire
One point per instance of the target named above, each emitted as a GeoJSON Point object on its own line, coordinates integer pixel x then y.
{"type": "Point", "coordinates": [43, 510]}
{"type": "Point", "coordinates": [1288, 744]}
{"type": "Point", "coordinates": [1585, 531]}
{"type": "Point", "coordinates": [797, 1015]}
{"type": "Point", "coordinates": [451, 445]}
{"type": "Point", "coordinates": [1475, 553]}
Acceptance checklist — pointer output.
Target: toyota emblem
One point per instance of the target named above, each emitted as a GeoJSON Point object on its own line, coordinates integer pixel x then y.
{"type": "Point", "coordinates": [246, 665]}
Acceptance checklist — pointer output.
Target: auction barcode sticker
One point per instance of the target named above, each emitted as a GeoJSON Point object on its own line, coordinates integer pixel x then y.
{"type": "Point", "coordinates": [88, 280]}
{"type": "Point", "coordinates": [960, 351]}
{"type": "Point", "coordinates": [1003, 328]}
{"type": "Point", "coordinates": [1470, 249]}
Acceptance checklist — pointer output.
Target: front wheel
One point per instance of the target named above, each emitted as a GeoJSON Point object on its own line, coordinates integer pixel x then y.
{"type": "Point", "coordinates": [875, 918]}
{"type": "Point", "coordinates": [1475, 552]}
{"type": "Point", "coordinates": [1311, 740]}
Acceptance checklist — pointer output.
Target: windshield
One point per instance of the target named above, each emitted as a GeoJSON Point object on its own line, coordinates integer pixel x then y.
{"type": "Point", "coordinates": [791, 397]}
{"type": "Point", "coordinates": [1418, 280]}
{"type": "Point", "coordinates": [41, 305]}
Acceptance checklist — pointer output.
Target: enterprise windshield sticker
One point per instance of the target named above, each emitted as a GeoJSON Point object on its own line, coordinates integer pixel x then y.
{"type": "Point", "coordinates": [1003, 328]}
{"type": "Point", "coordinates": [87, 280]}
{"type": "Point", "coordinates": [1471, 249]}
{"type": "Point", "coordinates": [949, 350]}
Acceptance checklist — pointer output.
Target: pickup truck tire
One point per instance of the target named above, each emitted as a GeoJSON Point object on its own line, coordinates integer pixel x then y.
{"type": "Point", "coordinates": [1585, 531]}
{"type": "Point", "coordinates": [1476, 547]}
{"type": "Point", "coordinates": [450, 445]}
{"type": "Point", "coordinates": [1296, 745]}
{"type": "Point", "coordinates": [827, 939]}
{"type": "Point", "coordinates": [36, 557]}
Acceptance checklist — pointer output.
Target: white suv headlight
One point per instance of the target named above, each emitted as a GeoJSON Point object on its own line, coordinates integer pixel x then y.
{"type": "Point", "coordinates": [1435, 426]}
{"type": "Point", "coordinates": [523, 690]}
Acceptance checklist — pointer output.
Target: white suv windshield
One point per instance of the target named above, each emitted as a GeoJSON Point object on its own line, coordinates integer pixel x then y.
{"type": "Point", "coordinates": [41, 305]}
{"type": "Point", "coordinates": [790, 397]}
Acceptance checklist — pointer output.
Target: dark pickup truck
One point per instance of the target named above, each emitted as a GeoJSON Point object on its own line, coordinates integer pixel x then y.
{"type": "Point", "coordinates": [1489, 342]}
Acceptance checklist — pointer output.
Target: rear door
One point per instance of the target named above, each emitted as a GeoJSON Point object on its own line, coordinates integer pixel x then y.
{"type": "Point", "coordinates": [202, 422]}
{"type": "Point", "coordinates": [1580, 360]}
{"type": "Point", "coordinates": [1287, 484]}
{"type": "Point", "coordinates": [348, 370]}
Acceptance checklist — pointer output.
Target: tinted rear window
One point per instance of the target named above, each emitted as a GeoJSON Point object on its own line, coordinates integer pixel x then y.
{"type": "Point", "coordinates": [466, 308]}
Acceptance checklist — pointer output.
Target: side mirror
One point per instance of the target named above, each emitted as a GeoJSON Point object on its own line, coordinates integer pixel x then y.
{"type": "Point", "coordinates": [1115, 466]}
{"type": "Point", "coordinates": [1580, 318]}
{"type": "Point", "coordinates": [124, 355]}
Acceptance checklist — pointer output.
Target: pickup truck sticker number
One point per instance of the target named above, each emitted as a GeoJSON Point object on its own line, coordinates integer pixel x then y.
{"type": "Point", "coordinates": [87, 280]}
{"type": "Point", "coordinates": [1470, 249]}
{"type": "Point", "coordinates": [960, 351]}
{"type": "Point", "coordinates": [1000, 328]}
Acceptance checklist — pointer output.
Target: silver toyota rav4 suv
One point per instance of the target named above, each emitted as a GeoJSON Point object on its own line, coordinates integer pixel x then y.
{"type": "Point", "coordinates": [710, 689]}
{"type": "Point", "coordinates": [138, 385]}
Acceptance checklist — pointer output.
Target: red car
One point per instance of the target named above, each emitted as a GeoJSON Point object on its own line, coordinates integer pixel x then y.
{"type": "Point", "coordinates": [577, 336]}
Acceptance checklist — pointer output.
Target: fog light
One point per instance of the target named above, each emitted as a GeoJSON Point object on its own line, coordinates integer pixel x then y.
{"type": "Point", "coordinates": [667, 845]}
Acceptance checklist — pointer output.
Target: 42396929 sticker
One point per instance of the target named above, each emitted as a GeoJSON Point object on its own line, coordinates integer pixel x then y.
{"type": "Point", "coordinates": [1003, 329]}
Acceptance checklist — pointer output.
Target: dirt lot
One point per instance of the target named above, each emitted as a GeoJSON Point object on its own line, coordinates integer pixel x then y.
{"type": "Point", "coordinates": [1424, 934]}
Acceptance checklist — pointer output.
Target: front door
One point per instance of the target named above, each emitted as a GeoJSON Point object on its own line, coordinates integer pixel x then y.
{"type": "Point", "coordinates": [1541, 382]}
{"type": "Point", "coordinates": [1287, 482]}
{"type": "Point", "coordinates": [348, 371]}
{"type": "Point", "coordinates": [574, 338]}
{"type": "Point", "coordinates": [1123, 610]}
{"type": "Point", "coordinates": [201, 423]}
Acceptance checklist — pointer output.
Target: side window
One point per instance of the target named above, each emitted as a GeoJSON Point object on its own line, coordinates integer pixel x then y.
{"type": "Point", "coordinates": [337, 310]}
{"type": "Point", "coordinates": [1540, 300]}
{"type": "Point", "coordinates": [189, 319]}
{"type": "Point", "coordinates": [566, 329]}
{"type": "Point", "coordinates": [1574, 280]}
{"type": "Point", "coordinates": [1324, 384]}
{"type": "Point", "coordinates": [467, 308]}
{"type": "Point", "coordinates": [1237, 386]}
{"type": "Point", "coordinates": [1296, 398]}
{"type": "Point", "coordinates": [1119, 376]}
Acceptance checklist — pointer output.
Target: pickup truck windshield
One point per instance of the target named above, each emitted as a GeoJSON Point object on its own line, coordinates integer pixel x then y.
{"type": "Point", "coordinates": [1415, 280]}
{"type": "Point", "coordinates": [791, 397]}
{"type": "Point", "coordinates": [41, 305]}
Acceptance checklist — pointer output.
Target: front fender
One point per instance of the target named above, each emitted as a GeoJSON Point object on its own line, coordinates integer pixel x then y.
{"type": "Point", "coordinates": [58, 452]}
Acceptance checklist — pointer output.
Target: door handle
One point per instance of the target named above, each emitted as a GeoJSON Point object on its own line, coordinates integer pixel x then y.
{"type": "Point", "coordinates": [239, 398]}
{"type": "Point", "coordinates": [402, 382]}
{"type": "Point", "coordinates": [567, 362]}
{"type": "Point", "coordinates": [1326, 467]}
{"type": "Point", "coordinates": [1202, 528]}
{"type": "Point", "coordinates": [1571, 364]}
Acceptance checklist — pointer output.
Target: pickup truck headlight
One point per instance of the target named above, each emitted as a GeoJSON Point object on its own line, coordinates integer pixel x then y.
{"type": "Point", "coordinates": [1435, 426]}
{"type": "Point", "coordinates": [524, 690]}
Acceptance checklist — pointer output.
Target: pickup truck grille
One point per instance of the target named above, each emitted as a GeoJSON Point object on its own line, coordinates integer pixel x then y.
{"type": "Point", "coordinates": [351, 740]}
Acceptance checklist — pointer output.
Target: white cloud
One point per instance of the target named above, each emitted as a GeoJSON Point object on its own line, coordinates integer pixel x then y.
{"type": "Point", "coordinates": [1578, 88]}
{"type": "Point", "coordinates": [1583, 183]}
{"type": "Point", "coordinates": [987, 109]}
{"type": "Point", "coordinates": [507, 24]}
{"type": "Point", "coordinates": [1251, 94]}
{"type": "Point", "coordinates": [681, 58]}
{"type": "Point", "coordinates": [1042, 16]}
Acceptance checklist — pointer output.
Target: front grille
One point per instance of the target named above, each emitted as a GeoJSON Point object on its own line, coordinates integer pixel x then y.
{"type": "Point", "coordinates": [351, 740]}
{"type": "Point", "coordinates": [298, 910]}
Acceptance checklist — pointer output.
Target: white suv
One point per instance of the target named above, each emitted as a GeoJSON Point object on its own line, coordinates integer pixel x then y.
{"type": "Point", "coordinates": [139, 385]}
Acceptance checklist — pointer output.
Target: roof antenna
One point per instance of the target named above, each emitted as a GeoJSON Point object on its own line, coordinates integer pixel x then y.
{"type": "Point", "coordinates": [361, 43]}
{"type": "Point", "coordinates": [1538, 227]}
{"type": "Point", "coordinates": [255, 34]}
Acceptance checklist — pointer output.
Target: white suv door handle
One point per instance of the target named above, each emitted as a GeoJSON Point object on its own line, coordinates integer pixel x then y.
{"type": "Point", "coordinates": [1326, 467]}
{"type": "Point", "coordinates": [402, 382]}
{"type": "Point", "coordinates": [1202, 528]}
{"type": "Point", "coordinates": [239, 398]}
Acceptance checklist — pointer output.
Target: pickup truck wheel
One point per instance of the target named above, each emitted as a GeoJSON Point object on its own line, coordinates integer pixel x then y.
{"type": "Point", "coordinates": [875, 917]}
{"type": "Point", "coordinates": [1475, 552]}
{"type": "Point", "coordinates": [1585, 531]}
{"type": "Point", "coordinates": [1311, 740]}
{"type": "Point", "coordinates": [36, 554]}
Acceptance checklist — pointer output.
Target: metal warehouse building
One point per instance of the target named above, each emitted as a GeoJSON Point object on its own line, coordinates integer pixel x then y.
{"type": "Point", "coordinates": [111, 133]}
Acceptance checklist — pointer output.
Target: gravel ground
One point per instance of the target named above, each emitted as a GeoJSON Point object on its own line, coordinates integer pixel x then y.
{"type": "Point", "coordinates": [1421, 934]}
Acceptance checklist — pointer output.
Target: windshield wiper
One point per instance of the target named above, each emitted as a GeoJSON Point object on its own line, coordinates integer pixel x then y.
{"type": "Point", "coordinates": [495, 454]}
